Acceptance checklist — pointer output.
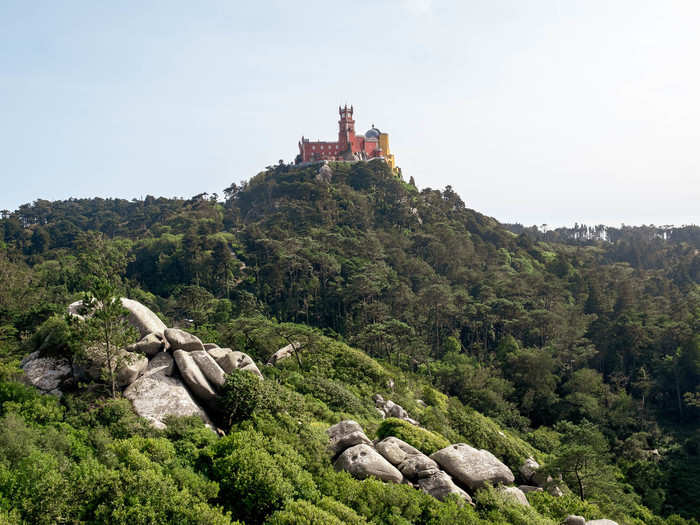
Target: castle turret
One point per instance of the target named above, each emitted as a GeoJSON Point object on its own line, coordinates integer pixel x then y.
{"type": "Point", "coordinates": [346, 133]}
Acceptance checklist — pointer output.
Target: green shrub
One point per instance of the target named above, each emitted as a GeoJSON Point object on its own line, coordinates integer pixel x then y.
{"type": "Point", "coordinates": [257, 474]}
{"type": "Point", "coordinates": [336, 396]}
{"type": "Point", "coordinates": [544, 439]}
{"type": "Point", "coordinates": [340, 511]}
{"type": "Point", "coordinates": [240, 396]}
{"type": "Point", "coordinates": [434, 398]}
{"type": "Point", "coordinates": [559, 508]}
{"type": "Point", "coordinates": [55, 337]}
{"type": "Point", "coordinates": [302, 512]}
{"type": "Point", "coordinates": [424, 440]}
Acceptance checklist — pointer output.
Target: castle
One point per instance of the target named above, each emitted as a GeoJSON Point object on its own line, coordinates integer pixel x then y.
{"type": "Point", "coordinates": [350, 146]}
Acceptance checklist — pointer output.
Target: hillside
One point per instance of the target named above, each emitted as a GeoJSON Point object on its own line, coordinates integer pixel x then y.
{"type": "Point", "coordinates": [520, 344]}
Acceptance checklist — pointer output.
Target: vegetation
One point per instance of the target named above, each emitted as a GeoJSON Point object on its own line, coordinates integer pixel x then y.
{"type": "Point", "coordinates": [579, 350]}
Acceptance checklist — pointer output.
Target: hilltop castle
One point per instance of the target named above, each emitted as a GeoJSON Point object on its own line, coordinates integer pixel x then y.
{"type": "Point", "coordinates": [349, 147]}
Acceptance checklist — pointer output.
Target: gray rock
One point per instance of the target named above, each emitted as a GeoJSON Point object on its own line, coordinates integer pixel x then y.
{"type": "Point", "coordinates": [394, 410]}
{"type": "Point", "coordinates": [601, 522]}
{"type": "Point", "coordinates": [572, 519]}
{"type": "Point", "coordinates": [472, 467]}
{"type": "Point", "coordinates": [181, 340]}
{"type": "Point", "coordinates": [395, 450]}
{"type": "Point", "coordinates": [149, 345]}
{"type": "Point", "coordinates": [156, 395]}
{"type": "Point", "coordinates": [230, 360]}
{"type": "Point", "coordinates": [411, 462]}
{"type": "Point", "coordinates": [344, 435]}
{"type": "Point", "coordinates": [253, 369]}
{"type": "Point", "coordinates": [440, 486]}
{"type": "Point", "coordinates": [74, 309]}
{"type": "Point", "coordinates": [47, 373]}
{"type": "Point", "coordinates": [209, 368]}
{"type": "Point", "coordinates": [514, 495]}
{"type": "Point", "coordinates": [129, 366]}
{"type": "Point", "coordinates": [529, 468]}
{"type": "Point", "coordinates": [362, 461]}
{"type": "Point", "coordinates": [219, 353]}
{"type": "Point", "coordinates": [94, 365]}
{"type": "Point", "coordinates": [418, 467]}
{"type": "Point", "coordinates": [530, 488]}
{"type": "Point", "coordinates": [162, 362]}
{"type": "Point", "coordinates": [142, 318]}
{"type": "Point", "coordinates": [390, 409]}
{"type": "Point", "coordinates": [193, 377]}
{"type": "Point", "coordinates": [325, 173]}
{"type": "Point", "coordinates": [554, 490]}
{"type": "Point", "coordinates": [29, 357]}
{"type": "Point", "coordinates": [284, 352]}
{"type": "Point", "coordinates": [210, 346]}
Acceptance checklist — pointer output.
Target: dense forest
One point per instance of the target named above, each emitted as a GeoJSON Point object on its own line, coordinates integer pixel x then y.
{"type": "Point", "coordinates": [570, 345]}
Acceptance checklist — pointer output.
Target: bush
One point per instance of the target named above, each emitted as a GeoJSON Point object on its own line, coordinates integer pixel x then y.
{"type": "Point", "coordinates": [240, 396]}
{"type": "Point", "coordinates": [55, 337]}
{"type": "Point", "coordinates": [424, 440]}
{"type": "Point", "coordinates": [257, 475]}
{"type": "Point", "coordinates": [302, 512]}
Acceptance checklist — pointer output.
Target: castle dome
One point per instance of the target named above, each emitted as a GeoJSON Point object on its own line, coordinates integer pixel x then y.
{"type": "Point", "coordinates": [372, 133]}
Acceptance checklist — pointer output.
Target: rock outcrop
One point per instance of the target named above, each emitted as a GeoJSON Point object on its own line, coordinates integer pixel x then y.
{"type": "Point", "coordinates": [48, 374]}
{"type": "Point", "coordinates": [388, 408]}
{"type": "Point", "coordinates": [212, 371]}
{"type": "Point", "coordinates": [440, 486]}
{"type": "Point", "coordinates": [344, 435]}
{"type": "Point", "coordinates": [142, 318]}
{"type": "Point", "coordinates": [362, 461]}
{"type": "Point", "coordinates": [284, 353]}
{"type": "Point", "coordinates": [472, 467]}
{"type": "Point", "coordinates": [514, 495]}
{"type": "Point", "coordinates": [572, 519]}
{"type": "Point", "coordinates": [150, 345]}
{"type": "Point", "coordinates": [181, 340]}
{"type": "Point", "coordinates": [528, 469]}
{"type": "Point", "coordinates": [357, 455]}
{"type": "Point", "coordinates": [156, 395]}
{"type": "Point", "coordinates": [530, 488]}
{"type": "Point", "coordinates": [194, 378]}
{"type": "Point", "coordinates": [129, 367]}
{"type": "Point", "coordinates": [230, 360]}
{"type": "Point", "coordinates": [411, 462]}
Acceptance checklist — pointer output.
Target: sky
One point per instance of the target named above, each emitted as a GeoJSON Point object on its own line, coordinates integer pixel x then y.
{"type": "Point", "coordinates": [538, 112]}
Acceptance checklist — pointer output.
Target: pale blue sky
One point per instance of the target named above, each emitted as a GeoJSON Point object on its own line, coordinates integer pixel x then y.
{"type": "Point", "coordinates": [534, 111]}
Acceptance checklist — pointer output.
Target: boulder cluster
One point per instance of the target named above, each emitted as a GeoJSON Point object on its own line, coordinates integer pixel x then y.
{"type": "Point", "coordinates": [452, 470]}
{"type": "Point", "coordinates": [387, 408]}
{"type": "Point", "coordinates": [457, 469]}
{"type": "Point", "coordinates": [168, 372]}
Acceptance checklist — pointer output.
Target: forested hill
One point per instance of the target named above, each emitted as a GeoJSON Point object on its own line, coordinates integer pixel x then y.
{"type": "Point", "coordinates": [546, 338]}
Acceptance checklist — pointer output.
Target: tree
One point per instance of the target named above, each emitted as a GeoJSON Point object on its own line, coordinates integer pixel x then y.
{"type": "Point", "coordinates": [582, 458]}
{"type": "Point", "coordinates": [106, 328]}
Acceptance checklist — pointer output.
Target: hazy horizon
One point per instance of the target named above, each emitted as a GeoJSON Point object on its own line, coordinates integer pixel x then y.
{"type": "Point", "coordinates": [546, 113]}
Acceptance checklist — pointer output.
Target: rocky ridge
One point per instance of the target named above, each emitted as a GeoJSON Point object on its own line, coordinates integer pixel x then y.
{"type": "Point", "coordinates": [458, 469]}
{"type": "Point", "coordinates": [168, 372]}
